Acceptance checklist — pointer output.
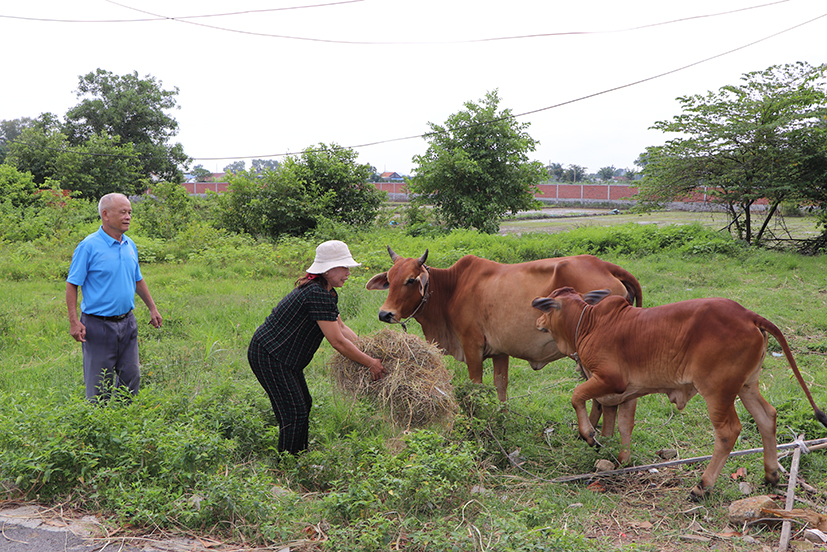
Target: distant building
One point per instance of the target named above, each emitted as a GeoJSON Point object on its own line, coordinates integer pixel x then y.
{"type": "Point", "coordinates": [391, 177]}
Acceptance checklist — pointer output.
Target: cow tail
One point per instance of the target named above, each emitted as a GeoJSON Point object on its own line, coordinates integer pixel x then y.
{"type": "Point", "coordinates": [634, 293]}
{"type": "Point", "coordinates": [768, 326]}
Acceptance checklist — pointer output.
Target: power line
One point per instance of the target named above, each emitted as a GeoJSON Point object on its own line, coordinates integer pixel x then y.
{"type": "Point", "coordinates": [420, 43]}
{"type": "Point", "coordinates": [567, 102]}
{"type": "Point", "coordinates": [166, 18]}
{"type": "Point", "coordinates": [554, 106]}
{"type": "Point", "coordinates": [186, 19]}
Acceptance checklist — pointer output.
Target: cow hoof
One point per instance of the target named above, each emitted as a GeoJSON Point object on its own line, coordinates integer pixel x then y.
{"type": "Point", "coordinates": [589, 438]}
{"type": "Point", "coordinates": [772, 479]}
{"type": "Point", "coordinates": [697, 493]}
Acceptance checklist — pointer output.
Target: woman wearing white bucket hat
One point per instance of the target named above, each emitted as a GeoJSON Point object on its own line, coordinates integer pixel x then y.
{"type": "Point", "coordinates": [287, 340]}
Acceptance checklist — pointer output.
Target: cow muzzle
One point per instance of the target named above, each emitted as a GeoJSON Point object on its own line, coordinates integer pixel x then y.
{"type": "Point", "coordinates": [387, 317]}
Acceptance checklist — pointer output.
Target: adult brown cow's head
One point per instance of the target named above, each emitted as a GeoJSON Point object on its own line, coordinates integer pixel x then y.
{"type": "Point", "coordinates": [407, 285]}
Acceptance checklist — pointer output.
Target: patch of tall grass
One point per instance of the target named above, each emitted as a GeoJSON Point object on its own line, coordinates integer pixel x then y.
{"type": "Point", "coordinates": [196, 450]}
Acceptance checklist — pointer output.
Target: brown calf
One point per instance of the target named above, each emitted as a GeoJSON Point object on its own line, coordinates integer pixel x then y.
{"type": "Point", "coordinates": [714, 347]}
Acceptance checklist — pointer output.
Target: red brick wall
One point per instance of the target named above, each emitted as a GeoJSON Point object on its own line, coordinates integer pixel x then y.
{"type": "Point", "coordinates": [579, 192]}
{"type": "Point", "coordinates": [591, 192]}
{"type": "Point", "coordinates": [391, 187]}
{"type": "Point", "coordinates": [203, 187]}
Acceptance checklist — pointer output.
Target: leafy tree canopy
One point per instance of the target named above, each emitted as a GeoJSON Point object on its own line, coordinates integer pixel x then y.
{"type": "Point", "coordinates": [235, 167]}
{"type": "Point", "coordinates": [19, 188]}
{"type": "Point", "coordinates": [201, 174]}
{"type": "Point", "coordinates": [135, 110]}
{"type": "Point", "coordinates": [765, 138]}
{"type": "Point", "coordinates": [261, 165]}
{"type": "Point", "coordinates": [98, 166]}
{"type": "Point", "coordinates": [323, 183]}
{"type": "Point", "coordinates": [574, 173]}
{"type": "Point", "coordinates": [9, 131]}
{"type": "Point", "coordinates": [37, 148]}
{"type": "Point", "coordinates": [476, 168]}
{"type": "Point", "coordinates": [606, 173]}
{"type": "Point", "coordinates": [333, 176]}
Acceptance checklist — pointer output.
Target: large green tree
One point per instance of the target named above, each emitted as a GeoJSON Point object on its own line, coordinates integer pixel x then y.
{"type": "Point", "coordinates": [134, 109]}
{"type": "Point", "coordinates": [335, 179]}
{"type": "Point", "coordinates": [261, 165]}
{"type": "Point", "coordinates": [235, 167]}
{"type": "Point", "coordinates": [9, 131]}
{"type": "Point", "coordinates": [574, 173]}
{"type": "Point", "coordinates": [763, 139]}
{"type": "Point", "coordinates": [606, 173]}
{"type": "Point", "coordinates": [98, 166]}
{"type": "Point", "coordinates": [476, 168]}
{"type": "Point", "coordinates": [323, 183]}
{"type": "Point", "coordinates": [37, 147]}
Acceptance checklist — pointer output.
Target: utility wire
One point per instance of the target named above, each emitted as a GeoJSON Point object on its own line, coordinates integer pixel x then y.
{"type": "Point", "coordinates": [567, 102]}
{"type": "Point", "coordinates": [186, 19]}
{"type": "Point", "coordinates": [419, 43]}
{"type": "Point", "coordinates": [166, 18]}
{"type": "Point", "coordinates": [554, 106]}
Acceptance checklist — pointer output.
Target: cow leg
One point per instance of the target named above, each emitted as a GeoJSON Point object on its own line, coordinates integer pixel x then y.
{"type": "Point", "coordinates": [765, 418]}
{"type": "Point", "coordinates": [599, 410]}
{"type": "Point", "coordinates": [589, 389]}
{"type": "Point", "coordinates": [625, 424]}
{"type": "Point", "coordinates": [501, 376]}
{"type": "Point", "coordinates": [727, 428]}
{"type": "Point", "coordinates": [474, 367]}
{"type": "Point", "coordinates": [609, 418]}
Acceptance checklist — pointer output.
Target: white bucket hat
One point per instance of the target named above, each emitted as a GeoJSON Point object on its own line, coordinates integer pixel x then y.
{"type": "Point", "coordinates": [331, 254]}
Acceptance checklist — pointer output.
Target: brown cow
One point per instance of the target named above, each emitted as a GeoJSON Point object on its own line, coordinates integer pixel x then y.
{"type": "Point", "coordinates": [714, 347]}
{"type": "Point", "coordinates": [480, 309]}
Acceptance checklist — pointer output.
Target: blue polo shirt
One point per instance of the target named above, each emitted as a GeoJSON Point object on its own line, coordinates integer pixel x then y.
{"type": "Point", "coordinates": [106, 270]}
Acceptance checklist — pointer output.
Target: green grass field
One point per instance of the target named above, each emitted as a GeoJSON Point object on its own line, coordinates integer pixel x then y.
{"type": "Point", "coordinates": [195, 452]}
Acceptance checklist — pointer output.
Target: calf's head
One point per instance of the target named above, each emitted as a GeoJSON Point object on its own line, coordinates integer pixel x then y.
{"type": "Point", "coordinates": [407, 284]}
{"type": "Point", "coordinates": [561, 311]}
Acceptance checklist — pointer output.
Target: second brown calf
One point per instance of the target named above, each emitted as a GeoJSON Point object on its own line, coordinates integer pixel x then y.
{"type": "Point", "coordinates": [712, 347]}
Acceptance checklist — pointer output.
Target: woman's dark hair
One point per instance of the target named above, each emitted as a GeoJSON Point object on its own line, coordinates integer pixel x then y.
{"type": "Point", "coordinates": [308, 279]}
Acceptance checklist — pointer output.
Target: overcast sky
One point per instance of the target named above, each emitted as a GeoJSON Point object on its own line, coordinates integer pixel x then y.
{"type": "Point", "coordinates": [261, 78]}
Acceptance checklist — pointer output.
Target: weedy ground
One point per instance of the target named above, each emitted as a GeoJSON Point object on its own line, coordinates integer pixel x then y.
{"type": "Point", "coordinates": [195, 453]}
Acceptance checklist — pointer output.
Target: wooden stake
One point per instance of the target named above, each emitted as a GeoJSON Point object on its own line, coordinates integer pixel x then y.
{"type": "Point", "coordinates": [784, 543]}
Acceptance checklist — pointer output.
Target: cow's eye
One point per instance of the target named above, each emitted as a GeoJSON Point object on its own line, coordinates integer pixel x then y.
{"type": "Point", "coordinates": [410, 281]}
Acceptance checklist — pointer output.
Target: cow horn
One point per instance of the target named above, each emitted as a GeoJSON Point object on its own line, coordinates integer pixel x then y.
{"type": "Point", "coordinates": [393, 255]}
{"type": "Point", "coordinates": [423, 258]}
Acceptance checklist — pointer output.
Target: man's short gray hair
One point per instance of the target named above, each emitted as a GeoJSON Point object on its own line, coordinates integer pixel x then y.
{"type": "Point", "coordinates": [104, 202]}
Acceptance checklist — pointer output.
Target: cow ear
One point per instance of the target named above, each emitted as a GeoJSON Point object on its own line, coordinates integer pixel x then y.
{"type": "Point", "coordinates": [423, 282]}
{"type": "Point", "coordinates": [594, 297]}
{"type": "Point", "coordinates": [546, 304]}
{"type": "Point", "coordinates": [380, 281]}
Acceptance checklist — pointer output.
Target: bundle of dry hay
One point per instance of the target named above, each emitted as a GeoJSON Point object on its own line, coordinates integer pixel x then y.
{"type": "Point", "coordinates": [417, 389]}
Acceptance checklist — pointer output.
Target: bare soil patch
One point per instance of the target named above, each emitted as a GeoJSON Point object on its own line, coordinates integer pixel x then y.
{"type": "Point", "coordinates": [561, 219]}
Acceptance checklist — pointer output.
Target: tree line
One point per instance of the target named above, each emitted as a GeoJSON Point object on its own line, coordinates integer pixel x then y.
{"type": "Point", "coordinates": [763, 139]}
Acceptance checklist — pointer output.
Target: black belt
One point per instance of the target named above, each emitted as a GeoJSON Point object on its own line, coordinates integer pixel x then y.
{"type": "Point", "coordinates": [117, 318]}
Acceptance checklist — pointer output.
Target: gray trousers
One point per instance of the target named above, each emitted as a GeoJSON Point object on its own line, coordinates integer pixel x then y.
{"type": "Point", "coordinates": [110, 356]}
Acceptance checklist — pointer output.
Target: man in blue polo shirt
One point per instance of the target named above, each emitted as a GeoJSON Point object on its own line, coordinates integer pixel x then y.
{"type": "Point", "coordinates": [105, 266]}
